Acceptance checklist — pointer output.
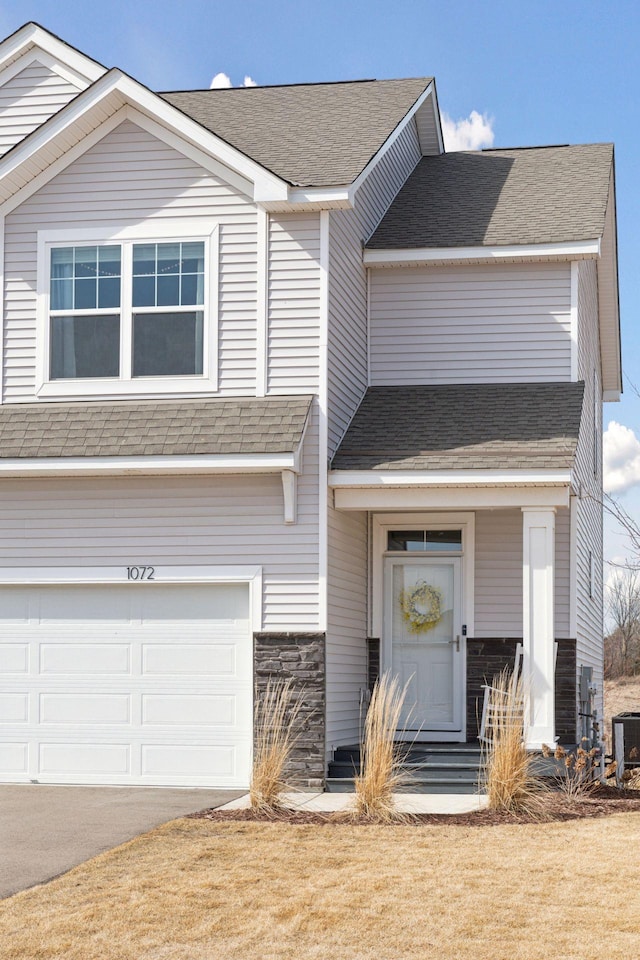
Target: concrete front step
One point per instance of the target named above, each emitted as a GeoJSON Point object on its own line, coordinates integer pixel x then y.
{"type": "Point", "coordinates": [424, 771]}
{"type": "Point", "coordinates": [442, 785]}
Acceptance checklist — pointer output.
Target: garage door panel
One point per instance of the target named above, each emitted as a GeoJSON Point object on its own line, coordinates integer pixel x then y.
{"type": "Point", "coordinates": [60, 659]}
{"type": "Point", "coordinates": [14, 759]}
{"type": "Point", "coordinates": [190, 710]}
{"type": "Point", "coordinates": [189, 760]}
{"type": "Point", "coordinates": [189, 658]}
{"type": "Point", "coordinates": [111, 759]}
{"type": "Point", "coordinates": [84, 708]}
{"type": "Point", "coordinates": [14, 658]}
{"type": "Point", "coordinates": [14, 708]}
{"type": "Point", "coordinates": [99, 694]}
{"type": "Point", "coordinates": [192, 603]}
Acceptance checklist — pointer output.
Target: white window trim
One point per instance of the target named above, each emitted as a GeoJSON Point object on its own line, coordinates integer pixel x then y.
{"type": "Point", "coordinates": [34, 576]}
{"type": "Point", "coordinates": [152, 231]}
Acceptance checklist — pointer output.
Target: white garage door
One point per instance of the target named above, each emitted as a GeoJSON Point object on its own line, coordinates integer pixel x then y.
{"type": "Point", "coordinates": [121, 684]}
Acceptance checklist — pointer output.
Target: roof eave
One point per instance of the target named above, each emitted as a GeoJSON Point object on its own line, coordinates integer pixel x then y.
{"type": "Point", "coordinates": [115, 83]}
{"type": "Point", "coordinates": [564, 250]}
{"type": "Point", "coordinates": [609, 302]}
{"type": "Point", "coordinates": [166, 465]}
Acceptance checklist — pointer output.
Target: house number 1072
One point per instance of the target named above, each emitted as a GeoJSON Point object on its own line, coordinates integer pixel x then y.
{"type": "Point", "coordinates": [140, 573]}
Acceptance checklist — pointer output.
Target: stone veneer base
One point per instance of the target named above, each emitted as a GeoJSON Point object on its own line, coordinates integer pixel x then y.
{"type": "Point", "coordinates": [301, 658]}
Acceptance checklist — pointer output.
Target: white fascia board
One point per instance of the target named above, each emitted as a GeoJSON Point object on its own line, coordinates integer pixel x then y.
{"type": "Point", "coordinates": [581, 249]}
{"type": "Point", "coordinates": [611, 396]}
{"type": "Point", "coordinates": [391, 139]}
{"type": "Point", "coordinates": [450, 498]}
{"type": "Point", "coordinates": [144, 466]}
{"type": "Point", "coordinates": [33, 35]}
{"type": "Point", "coordinates": [265, 184]}
{"type": "Point", "coordinates": [447, 478]}
{"type": "Point", "coordinates": [436, 108]}
{"type": "Point", "coordinates": [323, 197]}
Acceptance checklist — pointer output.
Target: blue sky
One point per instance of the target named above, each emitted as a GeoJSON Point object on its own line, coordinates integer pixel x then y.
{"type": "Point", "coordinates": [542, 73]}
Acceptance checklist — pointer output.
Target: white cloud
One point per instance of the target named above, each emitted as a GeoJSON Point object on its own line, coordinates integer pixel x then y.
{"type": "Point", "coordinates": [468, 133]}
{"type": "Point", "coordinates": [223, 80]}
{"type": "Point", "coordinates": [220, 81]}
{"type": "Point", "coordinates": [621, 458]}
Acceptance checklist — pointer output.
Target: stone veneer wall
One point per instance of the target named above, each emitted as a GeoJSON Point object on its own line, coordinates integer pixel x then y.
{"type": "Point", "coordinates": [301, 657]}
{"type": "Point", "coordinates": [486, 658]}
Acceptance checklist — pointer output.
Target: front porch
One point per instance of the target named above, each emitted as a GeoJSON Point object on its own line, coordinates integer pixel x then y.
{"type": "Point", "coordinates": [466, 547]}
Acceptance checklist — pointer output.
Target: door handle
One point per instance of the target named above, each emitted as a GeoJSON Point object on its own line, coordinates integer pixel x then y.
{"type": "Point", "coordinates": [456, 643]}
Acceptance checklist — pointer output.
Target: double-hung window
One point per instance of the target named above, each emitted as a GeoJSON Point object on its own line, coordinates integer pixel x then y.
{"type": "Point", "coordinates": [127, 315]}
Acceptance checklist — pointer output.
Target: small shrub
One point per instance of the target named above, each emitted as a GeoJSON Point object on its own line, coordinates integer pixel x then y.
{"type": "Point", "coordinates": [274, 719]}
{"type": "Point", "coordinates": [510, 783]}
{"type": "Point", "coordinates": [380, 756]}
{"type": "Point", "coordinates": [576, 779]}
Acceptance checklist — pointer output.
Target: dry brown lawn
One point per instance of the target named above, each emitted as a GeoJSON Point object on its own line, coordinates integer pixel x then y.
{"type": "Point", "coordinates": [619, 696]}
{"type": "Point", "coordinates": [206, 890]}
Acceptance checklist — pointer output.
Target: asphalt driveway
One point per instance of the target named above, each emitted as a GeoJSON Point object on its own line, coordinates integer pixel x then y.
{"type": "Point", "coordinates": [47, 830]}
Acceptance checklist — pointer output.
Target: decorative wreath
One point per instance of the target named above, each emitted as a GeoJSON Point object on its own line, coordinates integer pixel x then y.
{"type": "Point", "coordinates": [421, 607]}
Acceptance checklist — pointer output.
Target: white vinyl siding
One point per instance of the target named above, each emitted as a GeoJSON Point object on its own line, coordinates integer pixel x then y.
{"type": "Point", "coordinates": [28, 99]}
{"type": "Point", "coordinates": [347, 349]}
{"type": "Point", "coordinates": [426, 122]}
{"type": "Point", "coordinates": [171, 521]}
{"type": "Point", "coordinates": [348, 229]}
{"type": "Point", "coordinates": [346, 655]}
{"type": "Point", "coordinates": [374, 197]}
{"type": "Point", "coordinates": [294, 303]}
{"type": "Point", "coordinates": [128, 177]}
{"type": "Point", "coordinates": [471, 324]}
{"type": "Point", "coordinates": [498, 574]}
{"type": "Point", "coordinates": [347, 382]}
{"type": "Point", "coordinates": [589, 612]}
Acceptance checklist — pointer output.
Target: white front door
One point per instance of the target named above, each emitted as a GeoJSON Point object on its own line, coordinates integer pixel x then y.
{"type": "Point", "coordinates": [423, 643]}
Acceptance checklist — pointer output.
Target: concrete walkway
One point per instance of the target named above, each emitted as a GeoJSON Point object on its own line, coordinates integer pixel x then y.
{"type": "Point", "coordinates": [405, 802]}
{"type": "Point", "coordinates": [46, 830]}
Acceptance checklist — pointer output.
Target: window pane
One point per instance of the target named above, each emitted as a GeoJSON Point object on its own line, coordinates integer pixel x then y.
{"type": "Point", "coordinates": [108, 292]}
{"type": "Point", "coordinates": [86, 261]}
{"type": "Point", "coordinates": [62, 294]}
{"type": "Point", "coordinates": [168, 258]}
{"type": "Point", "coordinates": [85, 294]}
{"type": "Point", "coordinates": [192, 258]}
{"type": "Point", "coordinates": [109, 262]}
{"type": "Point", "coordinates": [62, 262]}
{"type": "Point", "coordinates": [444, 539]}
{"type": "Point", "coordinates": [144, 259]}
{"type": "Point", "coordinates": [425, 540]}
{"type": "Point", "coordinates": [167, 344]}
{"type": "Point", "coordinates": [406, 540]}
{"type": "Point", "coordinates": [179, 272]}
{"type": "Point", "coordinates": [168, 290]}
{"type": "Point", "coordinates": [144, 291]}
{"type": "Point", "coordinates": [192, 289]}
{"type": "Point", "coordinates": [85, 346]}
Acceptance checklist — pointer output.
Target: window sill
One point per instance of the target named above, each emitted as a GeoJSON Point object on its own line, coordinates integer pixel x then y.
{"type": "Point", "coordinates": [110, 389]}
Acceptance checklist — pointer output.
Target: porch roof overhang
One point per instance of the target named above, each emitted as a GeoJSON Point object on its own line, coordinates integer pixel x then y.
{"type": "Point", "coordinates": [120, 438]}
{"type": "Point", "coordinates": [484, 445]}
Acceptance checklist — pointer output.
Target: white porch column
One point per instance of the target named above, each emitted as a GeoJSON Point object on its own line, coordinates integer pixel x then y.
{"type": "Point", "coordinates": [538, 576]}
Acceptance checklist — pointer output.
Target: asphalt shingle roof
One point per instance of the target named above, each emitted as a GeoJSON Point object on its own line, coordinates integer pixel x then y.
{"type": "Point", "coordinates": [320, 134]}
{"type": "Point", "coordinates": [494, 197]}
{"type": "Point", "coordinates": [464, 427]}
{"type": "Point", "coordinates": [176, 427]}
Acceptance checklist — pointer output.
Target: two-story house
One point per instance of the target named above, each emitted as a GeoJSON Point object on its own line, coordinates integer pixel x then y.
{"type": "Point", "coordinates": [287, 390]}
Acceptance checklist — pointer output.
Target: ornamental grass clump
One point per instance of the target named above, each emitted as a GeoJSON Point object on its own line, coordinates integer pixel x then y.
{"type": "Point", "coordinates": [509, 780]}
{"type": "Point", "coordinates": [276, 713]}
{"type": "Point", "coordinates": [381, 757]}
